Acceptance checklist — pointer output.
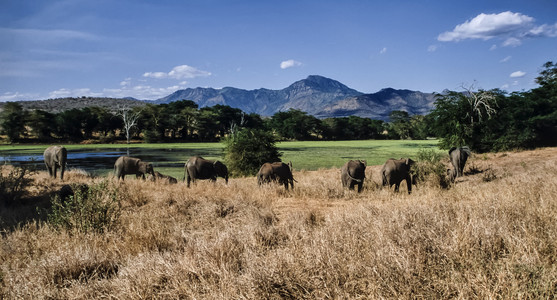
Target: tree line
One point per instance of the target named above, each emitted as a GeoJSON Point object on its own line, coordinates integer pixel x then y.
{"type": "Point", "coordinates": [489, 120]}
{"type": "Point", "coordinates": [184, 121]}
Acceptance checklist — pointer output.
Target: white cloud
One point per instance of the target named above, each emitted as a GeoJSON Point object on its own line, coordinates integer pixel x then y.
{"type": "Point", "coordinates": [179, 72]}
{"type": "Point", "coordinates": [513, 42]}
{"type": "Point", "coordinates": [383, 51]}
{"type": "Point", "coordinates": [506, 59]}
{"type": "Point", "coordinates": [289, 64]}
{"type": "Point", "coordinates": [432, 48]}
{"type": "Point", "coordinates": [517, 74]}
{"type": "Point", "coordinates": [493, 47]}
{"type": "Point", "coordinates": [487, 26]}
{"type": "Point", "coordinates": [509, 26]}
{"type": "Point", "coordinates": [10, 96]}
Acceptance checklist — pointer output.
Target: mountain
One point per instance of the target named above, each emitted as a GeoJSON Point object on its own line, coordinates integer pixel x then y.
{"type": "Point", "coordinates": [316, 95]}
{"type": "Point", "coordinates": [308, 95]}
{"type": "Point", "coordinates": [379, 105]}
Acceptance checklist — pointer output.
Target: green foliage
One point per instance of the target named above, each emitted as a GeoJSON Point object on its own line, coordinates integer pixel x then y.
{"type": "Point", "coordinates": [430, 167]}
{"type": "Point", "coordinates": [94, 208]}
{"type": "Point", "coordinates": [494, 121]}
{"type": "Point", "coordinates": [246, 150]}
{"type": "Point", "coordinates": [12, 121]}
{"type": "Point", "coordinates": [12, 184]}
{"type": "Point", "coordinates": [352, 128]}
{"type": "Point", "coordinates": [295, 124]}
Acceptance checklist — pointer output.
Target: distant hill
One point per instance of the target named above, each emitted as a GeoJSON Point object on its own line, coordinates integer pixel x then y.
{"type": "Point", "coordinates": [62, 104]}
{"type": "Point", "coordinates": [379, 105]}
{"type": "Point", "coordinates": [316, 95]}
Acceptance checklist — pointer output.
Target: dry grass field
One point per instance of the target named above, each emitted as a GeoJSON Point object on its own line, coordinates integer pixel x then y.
{"type": "Point", "coordinates": [492, 235]}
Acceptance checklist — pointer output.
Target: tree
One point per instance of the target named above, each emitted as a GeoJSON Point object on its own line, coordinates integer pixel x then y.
{"type": "Point", "coordinates": [295, 124]}
{"type": "Point", "coordinates": [459, 116]}
{"type": "Point", "coordinates": [69, 124]}
{"type": "Point", "coordinates": [247, 149]}
{"type": "Point", "coordinates": [129, 118]}
{"type": "Point", "coordinates": [12, 121]}
{"type": "Point", "coordinates": [41, 124]}
{"type": "Point", "coordinates": [400, 124]}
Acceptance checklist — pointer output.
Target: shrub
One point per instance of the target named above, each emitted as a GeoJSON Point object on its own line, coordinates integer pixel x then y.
{"type": "Point", "coordinates": [430, 167]}
{"type": "Point", "coordinates": [12, 184]}
{"type": "Point", "coordinates": [83, 208]}
{"type": "Point", "coordinates": [247, 149]}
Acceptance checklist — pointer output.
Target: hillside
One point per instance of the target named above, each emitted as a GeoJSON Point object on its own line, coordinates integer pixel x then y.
{"type": "Point", "coordinates": [62, 104]}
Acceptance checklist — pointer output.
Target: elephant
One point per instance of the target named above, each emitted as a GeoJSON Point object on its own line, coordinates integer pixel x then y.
{"type": "Point", "coordinates": [394, 171]}
{"type": "Point", "coordinates": [277, 171]}
{"type": "Point", "coordinates": [54, 157]}
{"type": "Point", "coordinates": [125, 165]}
{"type": "Point", "coordinates": [353, 173]}
{"type": "Point", "coordinates": [199, 168]}
{"type": "Point", "coordinates": [159, 176]}
{"type": "Point", "coordinates": [458, 158]}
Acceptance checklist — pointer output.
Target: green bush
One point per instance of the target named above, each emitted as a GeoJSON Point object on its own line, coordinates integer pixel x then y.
{"type": "Point", "coordinates": [94, 208]}
{"type": "Point", "coordinates": [430, 168]}
{"type": "Point", "coordinates": [246, 150]}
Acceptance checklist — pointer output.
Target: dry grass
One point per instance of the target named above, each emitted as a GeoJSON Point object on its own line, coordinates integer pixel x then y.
{"type": "Point", "coordinates": [493, 238]}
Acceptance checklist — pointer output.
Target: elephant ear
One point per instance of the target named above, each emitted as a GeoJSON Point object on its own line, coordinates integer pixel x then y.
{"type": "Point", "coordinates": [452, 149]}
{"type": "Point", "coordinates": [409, 162]}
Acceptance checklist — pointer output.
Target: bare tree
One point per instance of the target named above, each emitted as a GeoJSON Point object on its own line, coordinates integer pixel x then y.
{"type": "Point", "coordinates": [482, 103]}
{"type": "Point", "coordinates": [129, 117]}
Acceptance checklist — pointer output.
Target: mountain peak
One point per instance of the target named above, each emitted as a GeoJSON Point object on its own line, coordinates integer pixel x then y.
{"type": "Point", "coordinates": [323, 84]}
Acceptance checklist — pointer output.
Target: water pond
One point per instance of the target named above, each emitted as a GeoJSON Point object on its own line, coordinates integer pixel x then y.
{"type": "Point", "coordinates": [100, 161]}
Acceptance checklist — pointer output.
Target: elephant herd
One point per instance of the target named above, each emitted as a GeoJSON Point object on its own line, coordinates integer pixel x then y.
{"type": "Point", "coordinates": [393, 172]}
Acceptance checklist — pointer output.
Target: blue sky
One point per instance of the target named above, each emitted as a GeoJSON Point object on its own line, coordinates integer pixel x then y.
{"type": "Point", "coordinates": [149, 49]}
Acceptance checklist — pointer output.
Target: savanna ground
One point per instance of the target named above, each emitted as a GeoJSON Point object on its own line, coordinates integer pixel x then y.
{"type": "Point", "coordinates": [492, 235]}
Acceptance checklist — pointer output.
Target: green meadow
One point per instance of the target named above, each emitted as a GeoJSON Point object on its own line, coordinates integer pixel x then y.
{"type": "Point", "coordinates": [169, 158]}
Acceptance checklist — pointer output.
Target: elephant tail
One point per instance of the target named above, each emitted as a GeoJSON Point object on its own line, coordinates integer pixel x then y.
{"type": "Point", "coordinates": [352, 178]}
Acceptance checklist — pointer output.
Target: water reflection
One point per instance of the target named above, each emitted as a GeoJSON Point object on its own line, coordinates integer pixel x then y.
{"type": "Point", "coordinates": [101, 161]}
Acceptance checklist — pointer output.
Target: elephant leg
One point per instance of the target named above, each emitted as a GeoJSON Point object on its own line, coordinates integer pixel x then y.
{"type": "Point", "coordinates": [409, 184]}
{"type": "Point", "coordinates": [397, 185]}
{"type": "Point", "coordinates": [62, 169]}
{"type": "Point", "coordinates": [351, 185]}
{"type": "Point", "coordinates": [49, 170]}
{"type": "Point", "coordinates": [55, 169]}
{"type": "Point", "coordinates": [360, 185]}
{"type": "Point", "coordinates": [189, 180]}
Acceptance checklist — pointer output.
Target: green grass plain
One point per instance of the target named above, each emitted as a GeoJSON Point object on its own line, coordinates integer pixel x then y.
{"type": "Point", "coordinates": [169, 158]}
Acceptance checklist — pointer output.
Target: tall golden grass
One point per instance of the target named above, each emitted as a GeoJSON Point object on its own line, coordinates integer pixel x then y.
{"type": "Point", "coordinates": [492, 235]}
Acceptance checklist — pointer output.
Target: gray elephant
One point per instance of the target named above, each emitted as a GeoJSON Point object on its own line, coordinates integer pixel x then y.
{"type": "Point", "coordinates": [199, 168]}
{"type": "Point", "coordinates": [159, 176]}
{"type": "Point", "coordinates": [125, 165]}
{"type": "Point", "coordinates": [278, 172]}
{"type": "Point", "coordinates": [54, 157]}
{"type": "Point", "coordinates": [353, 173]}
{"type": "Point", "coordinates": [394, 171]}
{"type": "Point", "coordinates": [458, 158]}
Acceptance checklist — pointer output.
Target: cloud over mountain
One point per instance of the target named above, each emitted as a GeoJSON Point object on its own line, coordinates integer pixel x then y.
{"type": "Point", "coordinates": [179, 72]}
